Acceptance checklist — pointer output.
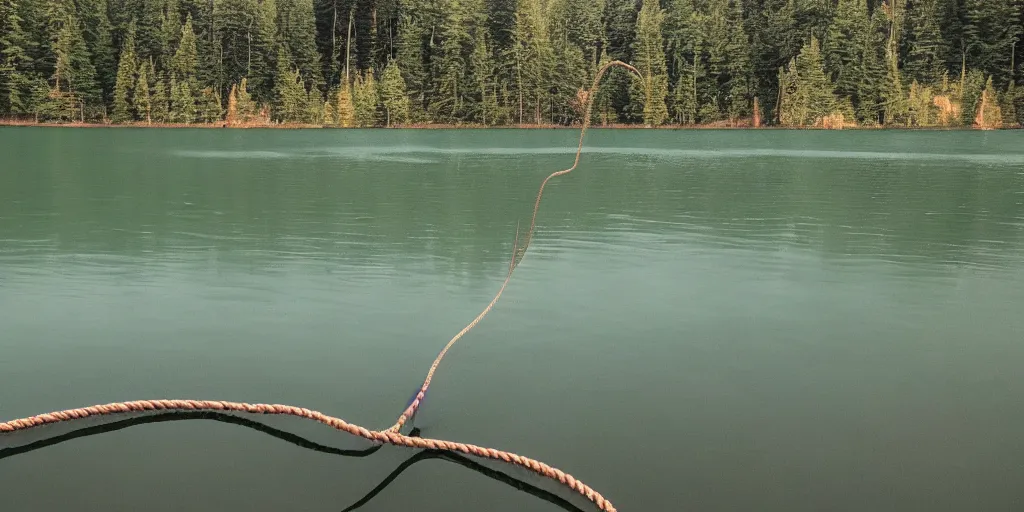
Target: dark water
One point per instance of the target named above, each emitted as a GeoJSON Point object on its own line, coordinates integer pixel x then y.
{"type": "Point", "coordinates": [773, 320]}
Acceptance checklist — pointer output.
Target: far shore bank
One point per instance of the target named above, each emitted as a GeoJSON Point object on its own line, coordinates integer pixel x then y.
{"type": "Point", "coordinates": [576, 127]}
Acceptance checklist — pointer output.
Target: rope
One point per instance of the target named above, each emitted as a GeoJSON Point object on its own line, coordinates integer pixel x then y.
{"type": "Point", "coordinates": [517, 253]}
{"type": "Point", "coordinates": [391, 435]}
{"type": "Point", "coordinates": [337, 423]}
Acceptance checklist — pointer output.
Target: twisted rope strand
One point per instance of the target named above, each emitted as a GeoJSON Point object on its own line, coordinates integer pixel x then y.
{"type": "Point", "coordinates": [391, 438]}
{"type": "Point", "coordinates": [517, 254]}
{"type": "Point", "coordinates": [392, 435]}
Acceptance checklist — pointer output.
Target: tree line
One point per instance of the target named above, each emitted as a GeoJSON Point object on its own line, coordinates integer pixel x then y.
{"type": "Point", "coordinates": [502, 62]}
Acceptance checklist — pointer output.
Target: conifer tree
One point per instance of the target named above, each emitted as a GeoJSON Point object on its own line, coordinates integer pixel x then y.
{"type": "Point", "coordinates": [289, 93]}
{"type": "Point", "coordinates": [143, 106]}
{"type": "Point", "coordinates": [650, 60]}
{"type": "Point", "coordinates": [15, 65]}
{"type": "Point", "coordinates": [74, 77]}
{"type": "Point", "coordinates": [345, 109]}
{"type": "Point", "coordinates": [184, 85]}
{"type": "Point", "coordinates": [844, 46]}
{"type": "Point", "coordinates": [393, 96]}
{"type": "Point", "coordinates": [126, 80]}
{"type": "Point", "coordinates": [365, 99]}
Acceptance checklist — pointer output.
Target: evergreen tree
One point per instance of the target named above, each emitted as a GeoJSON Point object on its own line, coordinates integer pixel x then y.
{"type": "Point", "coordinates": [184, 84]}
{"type": "Point", "coordinates": [345, 109]}
{"type": "Point", "coordinates": [393, 96]}
{"type": "Point", "coordinates": [684, 36]}
{"type": "Point", "coordinates": [650, 60]}
{"type": "Point", "coordinates": [74, 77]}
{"type": "Point", "coordinates": [15, 65]}
{"type": "Point", "coordinates": [97, 32]}
{"type": "Point", "coordinates": [414, 48]}
{"type": "Point", "coordinates": [149, 21]}
{"type": "Point", "coordinates": [183, 102]}
{"type": "Point", "coordinates": [926, 55]}
{"type": "Point", "coordinates": [209, 106]}
{"type": "Point", "coordinates": [991, 30]}
{"type": "Point", "coordinates": [364, 99]}
{"type": "Point", "coordinates": [449, 102]}
{"type": "Point", "coordinates": [141, 100]}
{"type": "Point", "coordinates": [126, 80]}
{"type": "Point", "coordinates": [289, 93]}
{"type": "Point", "coordinates": [246, 48]}
{"type": "Point", "coordinates": [736, 79]}
{"type": "Point", "coordinates": [160, 97]}
{"type": "Point", "coordinates": [532, 58]}
{"type": "Point", "coordinates": [296, 25]}
{"type": "Point", "coordinates": [844, 46]}
{"type": "Point", "coordinates": [872, 71]}
{"type": "Point", "coordinates": [807, 91]}
{"type": "Point", "coordinates": [170, 30]}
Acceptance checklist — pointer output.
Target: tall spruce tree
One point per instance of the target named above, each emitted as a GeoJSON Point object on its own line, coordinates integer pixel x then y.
{"type": "Point", "coordinates": [126, 80]}
{"type": "Point", "coordinates": [650, 60]}
{"type": "Point", "coordinates": [15, 65]}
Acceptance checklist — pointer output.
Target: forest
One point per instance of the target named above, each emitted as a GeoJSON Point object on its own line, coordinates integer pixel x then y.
{"type": "Point", "coordinates": [361, 63]}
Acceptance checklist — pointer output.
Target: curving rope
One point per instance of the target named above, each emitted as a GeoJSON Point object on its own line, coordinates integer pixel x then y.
{"type": "Point", "coordinates": [337, 423]}
{"type": "Point", "coordinates": [518, 253]}
{"type": "Point", "coordinates": [391, 435]}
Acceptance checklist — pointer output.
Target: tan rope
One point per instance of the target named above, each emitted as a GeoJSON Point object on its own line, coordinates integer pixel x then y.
{"type": "Point", "coordinates": [380, 437]}
{"type": "Point", "coordinates": [517, 257]}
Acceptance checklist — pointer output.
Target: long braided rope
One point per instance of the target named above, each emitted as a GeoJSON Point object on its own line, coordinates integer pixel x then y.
{"type": "Point", "coordinates": [518, 252]}
{"type": "Point", "coordinates": [391, 435]}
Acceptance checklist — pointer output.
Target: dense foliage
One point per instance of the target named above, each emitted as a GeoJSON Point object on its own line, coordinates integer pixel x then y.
{"type": "Point", "coordinates": [490, 62]}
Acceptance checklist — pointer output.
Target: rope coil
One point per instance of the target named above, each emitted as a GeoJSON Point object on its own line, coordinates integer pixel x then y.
{"type": "Point", "coordinates": [392, 435]}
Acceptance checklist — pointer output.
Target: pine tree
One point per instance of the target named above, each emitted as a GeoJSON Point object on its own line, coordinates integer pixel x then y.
{"type": "Point", "coordinates": [141, 100]}
{"type": "Point", "coordinates": [149, 20]}
{"type": "Point", "coordinates": [160, 97]}
{"type": "Point", "coordinates": [989, 114]}
{"type": "Point", "coordinates": [872, 71]}
{"type": "Point", "coordinates": [97, 32]}
{"type": "Point", "coordinates": [415, 39]}
{"type": "Point", "coordinates": [184, 85]}
{"type": "Point", "coordinates": [246, 48]}
{"type": "Point", "coordinates": [170, 31]}
{"type": "Point", "coordinates": [393, 95]}
{"type": "Point", "coordinates": [532, 60]}
{"type": "Point", "coordinates": [74, 77]}
{"type": "Point", "coordinates": [126, 80]}
{"type": "Point", "coordinates": [684, 40]}
{"type": "Point", "coordinates": [289, 93]}
{"type": "Point", "coordinates": [807, 95]}
{"type": "Point", "coordinates": [844, 46]}
{"type": "Point", "coordinates": [15, 65]}
{"type": "Point", "coordinates": [345, 109]}
{"type": "Point", "coordinates": [296, 26]}
{"type": "Point", "coordinates": [315, 112]}
{"type": "Point", "coordinates": [448, 103]}
{"type": "Point", "coordinates": [925, 60]}
{"type": "Point", "coordinates": [737, 67]}
{"type": "Point", "coordinates": [650, 60]}
{"type": "Point", "coordinates": [365, 99]}
{"type": "Point", "coordinates": [991, 30]}
{"type": "Point", "coordinates": [209, 106]}
{"type": "Point", "coordinates": [245, 106]}
{"type": "Point", "coordinates": [921, 111]}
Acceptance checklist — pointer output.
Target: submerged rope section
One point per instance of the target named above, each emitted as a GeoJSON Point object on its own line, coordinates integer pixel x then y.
{"type": "Point", "coordinates": [391, 435]}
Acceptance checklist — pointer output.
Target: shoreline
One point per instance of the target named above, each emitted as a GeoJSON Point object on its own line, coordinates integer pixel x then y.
{"type": "Point", "coordinates": [294, 126]}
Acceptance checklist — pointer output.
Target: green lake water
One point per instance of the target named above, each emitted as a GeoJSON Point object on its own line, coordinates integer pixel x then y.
{"type": "Point", "coordinates": [707, 320]}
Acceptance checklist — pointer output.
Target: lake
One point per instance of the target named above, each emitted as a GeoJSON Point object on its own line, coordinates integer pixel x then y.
{"type": "Point", "coordinates": [706, 320]}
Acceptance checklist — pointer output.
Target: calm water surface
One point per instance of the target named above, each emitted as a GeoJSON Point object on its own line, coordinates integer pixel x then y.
{"type": "Point", "coordinates": [772, 320]}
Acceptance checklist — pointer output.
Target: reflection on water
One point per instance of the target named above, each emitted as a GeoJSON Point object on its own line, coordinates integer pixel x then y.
{"type": "Point", "coordinates": [816, 320]}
